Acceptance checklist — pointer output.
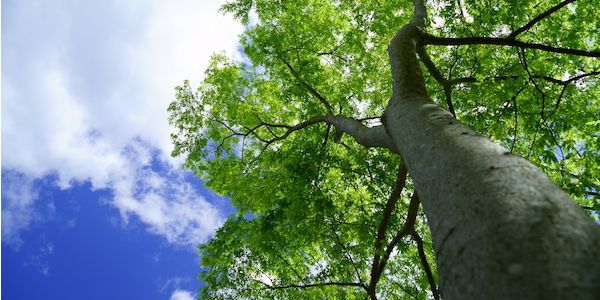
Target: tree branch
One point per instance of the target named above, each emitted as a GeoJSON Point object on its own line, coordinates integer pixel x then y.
{"type": "Point", "coordinates": [508, 77]}
{"type": "Point", "coordinates": [477, 40]}
{"type": "Point", "coordinates": [433, 70]}
{"type": "Point", "coordinates": [321, 284]}
{"type": "Point", "coordinates": [291, 129]}
{"type": "Point", "coordinates": [523, 61]}
{"type": "Point", "coordinates": [385, 221]}
{"type": "Point", "coordinates": [347, 254]}
{"type": "Point", "coordinates": [236, 133]}
{"type": "Point", "coordinates": [413, 294]}
{"type": "Point", "coordinates": [516, 125]}
{"type": "Point", "coordinates": [415, 236]}
{"type": "Point", "coordinates": [301, 278]}
{"type": "Point", "coordinates": [503, 109]}
{"type": "Point", "coordinates": [326, 138]}
{"type": "Point", "coordinates": [566, 84]}
{"type": "Point", "coordinates": [592, 193]}
{"type": "Point", "coordinates": [538, 18]}
{"type": "Point", "coordinates": [581, 76]}
{"type": "Point", "coordinates": [409, 224]}
{"type": "Point", "coordinates": [366, 136]}
{"type": "Point", "coordinates": [309, 88]}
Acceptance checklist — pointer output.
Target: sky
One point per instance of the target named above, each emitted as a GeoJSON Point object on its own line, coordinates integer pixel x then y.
{"type": "Point", "coordinates": [93, 206]}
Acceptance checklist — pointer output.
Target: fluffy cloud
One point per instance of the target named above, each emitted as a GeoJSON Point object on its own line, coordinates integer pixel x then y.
{"type": "Point", "coordinates": [85, 86]}
{"type": "Point", "coordinates": [182, 295]}
{"type": "Point", "coordinates": [162, 198]}
{"type": "Point", "coordinates": [18, 213]}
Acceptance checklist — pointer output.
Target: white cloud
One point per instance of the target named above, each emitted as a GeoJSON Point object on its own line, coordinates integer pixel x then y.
{"type": "Point", "coordinates": [182, 295]}
{"type": "Point", "coordinates": [85, 88]}
{"type": "Point", "coordinates": [18, 195]}
{"type": "Point", "coordinates": [167, 203]}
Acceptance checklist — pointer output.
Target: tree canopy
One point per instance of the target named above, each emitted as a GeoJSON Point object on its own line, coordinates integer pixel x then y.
{"type": "Point", "coordinates": [323, 210]}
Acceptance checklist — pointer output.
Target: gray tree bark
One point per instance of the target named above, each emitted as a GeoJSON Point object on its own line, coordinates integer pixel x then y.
{"type": "Point", "coordinates": [501, 228]}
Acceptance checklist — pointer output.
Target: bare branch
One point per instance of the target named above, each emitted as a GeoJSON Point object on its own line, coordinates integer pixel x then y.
{"type": "Point", "coordinates": [478, 40]}
{"type": "Point", "coordinates": [385, 221]}
{"type": "Point", "coordinates": [347, 254]}
{"type": "Point", "coordinates": [433, 70]}
{"type": "Point", "coordinates": [326, 138]}
{"type": "Point", "coordinates": [409, 224]}
{"type": "Point", "coordinates": [321, 284]}
{"type": "Point", "coordinates": [593, 193]}
{"type": "Point", "coordinates": [560, 149]}
{"type": "Point", "coordinates": [539, 18]}
{"type": "Point", "coordinates": [366, 136]}
{"type": "Point", "coordinates": [523, 60]}
{"type": "Point", "coordinates": [233, 134]}
{"type": "Point", "coordinates": [309, 88]}
{"type": "Point", "coordinates": [413, 294]}
{"type": "Point", "coordinates": [334, 53]}
{"type": "Point", "coordinates": [504, 108]}
{"type": "Point", "coordinates": [426, 59]}
{"type": "Point", "coordinates": [415, 236]}
{"type": "Point", "coordinates": [290, 266]}
{"type": "Point", "coordinates": [509, 77]}
{"type": "Point", "coordinates": [516, 125]}
{"type": "Point", "coordinates": [581, 76]}
{"type": "Point", "coordinates": [566, 83]}
{"type": "Point", "coordinates": [291, 129]}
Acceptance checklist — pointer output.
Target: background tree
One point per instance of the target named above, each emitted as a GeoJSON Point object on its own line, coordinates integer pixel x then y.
{"type": "Point", "coordinates": [306, 136]}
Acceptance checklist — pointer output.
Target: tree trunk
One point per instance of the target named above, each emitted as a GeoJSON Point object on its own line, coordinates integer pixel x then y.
{"type": "Point", "coordinates": [501, 228]}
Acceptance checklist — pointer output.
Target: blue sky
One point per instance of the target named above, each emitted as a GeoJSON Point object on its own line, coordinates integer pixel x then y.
{"type": "Point", "coordinates": [93, 207]}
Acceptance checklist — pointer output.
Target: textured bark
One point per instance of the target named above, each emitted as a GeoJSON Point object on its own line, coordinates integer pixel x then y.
{"type": "Point", "coordinates": [501, 228]}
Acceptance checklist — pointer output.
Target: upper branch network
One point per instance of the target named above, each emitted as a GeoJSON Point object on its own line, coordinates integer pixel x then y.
{"type": "Point", "coordinates": [510, 40]}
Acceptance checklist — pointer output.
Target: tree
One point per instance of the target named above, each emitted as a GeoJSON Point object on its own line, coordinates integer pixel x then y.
{"type": "Point", "coordinates": [327, 157]}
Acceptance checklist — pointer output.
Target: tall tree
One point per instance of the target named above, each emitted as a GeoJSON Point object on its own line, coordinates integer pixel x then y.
{"type": "Point", "coordinates": [327, 157]}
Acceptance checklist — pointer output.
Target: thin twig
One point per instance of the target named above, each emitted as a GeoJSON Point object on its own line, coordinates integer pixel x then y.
{"type": "Point", "coordinates": [347, 254]}
{"type": "Point", "coordinates": [566, 84]}
{"type": "Point", "coordinates": [516, 125]}
{"type": "Point", "coordinates": [502, 41]}
{"type": "Point", "coordinates": [538, 18]}
{"type": "Point", "coordinates": [523, 60]}
{"type": "Point", "coordinates": [509, 77]}
{"type": "Point", "coordinates": [321, 284]}
{"type": "Point", "coordinates": [301, 278]}
{"type": "Point", "coordinates": [308, 87]}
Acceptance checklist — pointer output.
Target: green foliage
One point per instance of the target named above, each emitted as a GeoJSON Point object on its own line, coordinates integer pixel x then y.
{"type": "Point", "coordinates": [309, 208]}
